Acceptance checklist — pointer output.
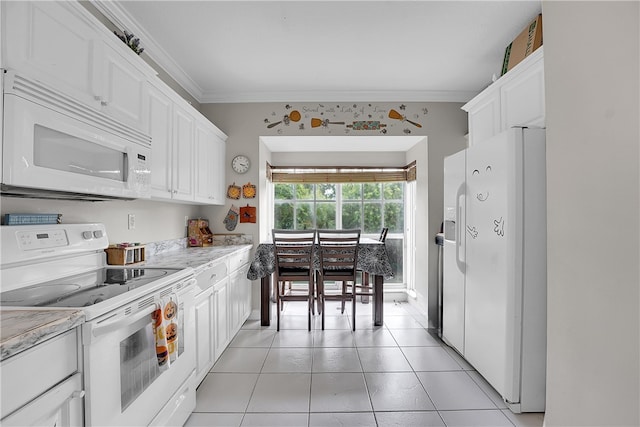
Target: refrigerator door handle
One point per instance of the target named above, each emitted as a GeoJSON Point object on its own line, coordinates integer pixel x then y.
{"type": "Point", "coordinates": [460, 224]}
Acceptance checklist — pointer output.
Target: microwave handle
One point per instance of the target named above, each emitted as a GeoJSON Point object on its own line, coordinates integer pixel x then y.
{"type": "Point", "coordinates": [114, 325]}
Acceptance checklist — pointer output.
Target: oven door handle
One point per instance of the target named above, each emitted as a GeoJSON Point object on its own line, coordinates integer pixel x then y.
{"type": "Point", "coordinates": [114, 325]}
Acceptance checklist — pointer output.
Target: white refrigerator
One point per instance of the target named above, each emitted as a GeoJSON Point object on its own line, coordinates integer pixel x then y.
{"type": "Point", "coordinates": [494, 290]}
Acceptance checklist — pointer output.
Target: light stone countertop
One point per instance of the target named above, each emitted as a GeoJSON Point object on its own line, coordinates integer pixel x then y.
{"type": "Point", "coordinates": [192, 257]}
{"type": "Point", "coordinates": [23, 328]}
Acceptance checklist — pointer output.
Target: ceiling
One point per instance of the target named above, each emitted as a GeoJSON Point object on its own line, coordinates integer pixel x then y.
{"type": "Point", "coordinates": [313, 51]}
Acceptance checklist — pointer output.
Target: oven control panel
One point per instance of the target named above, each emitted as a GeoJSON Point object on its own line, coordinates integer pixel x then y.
{"type": "Point", "coordinates": [26, 243]}
{"type": "Point", "coordinates": [42, 239]}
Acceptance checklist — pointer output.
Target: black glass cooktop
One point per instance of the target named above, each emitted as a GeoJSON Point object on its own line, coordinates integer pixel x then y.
{"type": "Point", "coordinates": [84, 289]}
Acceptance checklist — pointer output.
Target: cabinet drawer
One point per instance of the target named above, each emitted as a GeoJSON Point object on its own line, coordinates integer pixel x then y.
{"type": "Point", "coordinates": [237, 260]}
{"type": "Point", "coordinates": [210, 276]}
{"type": "Point", "coordinates": [27, 375]}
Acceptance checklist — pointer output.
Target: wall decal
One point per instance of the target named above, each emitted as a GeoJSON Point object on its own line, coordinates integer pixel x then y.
{"type": "Point", "coordinates": [393, 114]}
{"type": "Point", "coordinates": [366, 125]}
{"type": "Point", "coordinates": [324, 123]}
{"type": "Point", "coordinates": [356, 118]}
{"type": "Point", "coordinates": [293, 116]}
{"type": "Point", "coordinates": [473, 232]}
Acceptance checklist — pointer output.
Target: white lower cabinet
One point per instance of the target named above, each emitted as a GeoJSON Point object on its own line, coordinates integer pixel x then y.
{"type": "Point", "coordinates": [42, 386]}
{"type": "Point", "coordinates": [223, 303]}
{"type": "Point", "coordinates": [205, 355]}
{"type": "Point", "coordinates": [221, 316]}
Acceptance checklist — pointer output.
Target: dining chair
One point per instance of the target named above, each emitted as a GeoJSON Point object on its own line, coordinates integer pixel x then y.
{"type": "Point", "coordinates": [293, 252]}
{"type": "Point", "coordinates": [365, 290]}
{"type": "Point", "coordinates": [338, 263]}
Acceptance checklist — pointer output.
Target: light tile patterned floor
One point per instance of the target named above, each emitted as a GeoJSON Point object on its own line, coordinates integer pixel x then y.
{"type": "Point", "coordinates": [400, 374]}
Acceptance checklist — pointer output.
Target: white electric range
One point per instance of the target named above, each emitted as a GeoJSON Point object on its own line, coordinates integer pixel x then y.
{"type": "Point", "coordinates": [64, 266]}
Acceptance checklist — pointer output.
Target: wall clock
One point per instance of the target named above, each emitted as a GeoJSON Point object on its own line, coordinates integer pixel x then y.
{"type": "Point", "coordinates": [241, 164]}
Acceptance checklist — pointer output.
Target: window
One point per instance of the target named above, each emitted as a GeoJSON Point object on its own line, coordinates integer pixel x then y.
{"type": "Point", "coordinates": [367, 206]}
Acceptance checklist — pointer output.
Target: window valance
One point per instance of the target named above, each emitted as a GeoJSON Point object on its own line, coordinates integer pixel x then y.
{"type": "Point", "coordinates": [340, 174]}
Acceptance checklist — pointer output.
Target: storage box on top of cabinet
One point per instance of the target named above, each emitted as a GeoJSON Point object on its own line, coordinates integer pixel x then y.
{"type": "Point", "coordinates": [524, 45]}
{"type": "Point", "coordinates": [515, 99]}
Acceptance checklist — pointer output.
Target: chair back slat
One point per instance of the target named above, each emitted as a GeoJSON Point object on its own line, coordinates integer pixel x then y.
{"type": "Point", "coordinates": [339, 253]}
{"type": "Point", "coordinates": [293, 250]}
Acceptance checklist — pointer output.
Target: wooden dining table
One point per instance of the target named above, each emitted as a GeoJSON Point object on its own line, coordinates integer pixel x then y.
{"type": "Point", "coordinates": [372, 259]}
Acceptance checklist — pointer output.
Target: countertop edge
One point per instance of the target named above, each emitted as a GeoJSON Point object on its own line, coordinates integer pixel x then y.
{"type": "Point", "coordinates": [54, 322]}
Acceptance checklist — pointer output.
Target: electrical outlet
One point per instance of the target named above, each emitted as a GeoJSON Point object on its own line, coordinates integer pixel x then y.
{"type": "Point", "coordinates": [131, 221]}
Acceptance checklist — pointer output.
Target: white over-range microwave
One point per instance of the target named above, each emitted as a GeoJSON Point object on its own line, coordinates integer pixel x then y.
{"type": "Point", "coordinates": [56, 147]}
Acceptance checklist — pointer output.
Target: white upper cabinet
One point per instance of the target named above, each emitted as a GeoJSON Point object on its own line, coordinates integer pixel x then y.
{"type": "Point", "coordinates": [187, 151]}
{"type": "Point", "coordinates": [124, 90]}
{"type": "Point", "coordinates": [62, 45]}
{"type": "Point", "coordinates": [161, 131]}
{"type": "Point", "coordinates": [54, 43]}
{"type": "Point", "coordinates": [515, 99]}
{"type": "Point", "coordinates": [210, 164]}
{"type": "Point", "coordinates": [183, 154]}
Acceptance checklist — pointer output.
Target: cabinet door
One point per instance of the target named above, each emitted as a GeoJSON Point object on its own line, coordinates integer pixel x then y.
{"type": "Point", "coordinates": [221, 316]}
{"type": "Point", "coordinates": [235, 303]}
{"type": "Point", "coordinates": [55, 43]}
{"type": "Point", "coordinates": [523, 98]}
{"type": "Point", "coordinates": [245, 294]}
{"type": "Point", "coordinates": [217, 172]}
{"type": "Point", "coordinates": [210, 162]}
{"type": "Point", "coordinates": [183, 146]}
{"type": "Point", "coordinates": [204, 152]}
{"type": "Point", "coordinates": [484, 119]}
{"type": "Point", "coordinates": [61, 406]}
{"type": "Point", "coordinates": [204, 334]}
{"type": "Point", "coordinates": [124, 90]}
{"type": "Point", "coordinates": [160, 129]}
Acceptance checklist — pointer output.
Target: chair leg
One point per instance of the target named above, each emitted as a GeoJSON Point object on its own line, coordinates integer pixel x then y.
{"type": "Point", "coordinates": [322, 302]}
{"type": "Point", "coordinates": [278, 306]}
{"type": "Point", "coordinates": [343, 300]}
{"type": "Point", "coordinates": [353, 305]}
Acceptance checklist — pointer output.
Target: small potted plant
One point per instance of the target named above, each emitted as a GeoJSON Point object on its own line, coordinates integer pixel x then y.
{"type": "Point", "coordinates": [130, 40]}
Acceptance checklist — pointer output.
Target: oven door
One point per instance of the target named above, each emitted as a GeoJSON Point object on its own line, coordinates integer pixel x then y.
{"type": "Point", "coordinates": [123, 382]}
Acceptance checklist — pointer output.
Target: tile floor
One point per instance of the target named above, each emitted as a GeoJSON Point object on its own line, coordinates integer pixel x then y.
{"type": "Point", "coordinates": [399, 374]}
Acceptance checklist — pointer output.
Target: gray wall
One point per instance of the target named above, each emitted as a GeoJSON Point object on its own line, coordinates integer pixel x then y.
{"type": "Point", "coordinates": [592, 92]}
{"type": "Point", "coordinates": [155, 221]}
{"type": "Point", "coordinates": [445, 125]}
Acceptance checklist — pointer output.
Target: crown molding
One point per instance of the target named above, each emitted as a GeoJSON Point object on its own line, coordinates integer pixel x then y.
{"type": "Point", "coordinates": [338, 96]}
{"type": "Point", "coordinates": [114, 13]}
{"type": "Point", "coordinates": [118, 16]}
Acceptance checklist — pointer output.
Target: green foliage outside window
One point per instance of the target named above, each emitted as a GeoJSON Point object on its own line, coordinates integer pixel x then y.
{"type": "Point", "coordinates": [367, 206]}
